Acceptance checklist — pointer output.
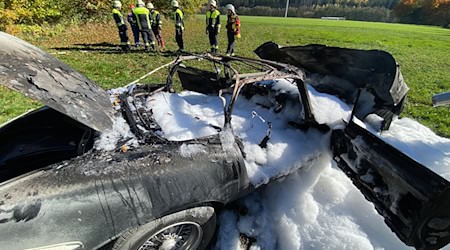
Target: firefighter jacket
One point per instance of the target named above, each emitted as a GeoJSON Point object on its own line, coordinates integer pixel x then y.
{"type": "Point", "coordinates": [156, 19]}
{"type": "Point", "coordinates": [132, 19]}
{"type": "Point", "coordinates": [213, 20]}
{"type": "Point", "coordinates": [179, 19]}
{"type": "Point", "coordinates": [143, 19]}
{"type": "Point", "coordinates": [118, 18]}
{"type": "Point", "coordinates": [234, 25]}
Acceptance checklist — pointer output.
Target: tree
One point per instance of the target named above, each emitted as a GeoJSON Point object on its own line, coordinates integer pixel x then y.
{"type": "Point", "coordinates": [188, 6]}
{"type": "Point", "coordinates": [36, 13]}
{"type": "Point", "coordinates": [434, 12]}
{"type": "Point", "coordinates": [439, 13]}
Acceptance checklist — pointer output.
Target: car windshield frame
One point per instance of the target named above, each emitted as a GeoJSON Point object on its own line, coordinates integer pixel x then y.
{"type": "Point", "coordinates": [264, 70]}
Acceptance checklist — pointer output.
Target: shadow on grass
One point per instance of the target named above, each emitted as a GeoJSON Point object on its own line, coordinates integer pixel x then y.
{"type": "Point", "coordinates": [109, 48]}
{"type": "Point", "coordinates": [103, 44]}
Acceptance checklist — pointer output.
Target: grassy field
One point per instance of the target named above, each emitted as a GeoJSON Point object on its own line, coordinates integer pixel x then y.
{"type": "Point", "coordinates": [422, 51]}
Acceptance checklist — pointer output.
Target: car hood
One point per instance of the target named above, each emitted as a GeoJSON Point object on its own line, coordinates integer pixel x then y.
{"type": "Point", "coordinates": [40, 76]}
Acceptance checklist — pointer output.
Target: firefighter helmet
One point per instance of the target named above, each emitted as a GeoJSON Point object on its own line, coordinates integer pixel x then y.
{"type": "Point", "coordinates": [213, 3]}
{"type": "Point", "coordinates": [140, 3]}
{"type": "Point", "coordinates": [150, 6]}
{"type": "Point", "coordinates": [174, 3]}
{"type": "Point", "coordinates": [117, 4]}
{"type": "Point", "coordinates": [231, 8]}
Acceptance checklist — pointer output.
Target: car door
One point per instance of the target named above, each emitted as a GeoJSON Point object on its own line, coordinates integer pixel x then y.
{"type": "Point", "coordinates": [413, 199]}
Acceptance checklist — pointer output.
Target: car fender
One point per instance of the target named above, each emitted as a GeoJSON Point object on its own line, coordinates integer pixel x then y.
{"type": "Point", "coordinates": [96, 197]}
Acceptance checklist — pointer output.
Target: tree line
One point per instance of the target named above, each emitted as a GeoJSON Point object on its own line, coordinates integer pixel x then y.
{"type": "Point", "coordinates": [33, 15]}
{"type": "Point", "coordinates": [373, 14]}
{"type": "Point", "coordinates": [430, 12]}
{"type": "Point", "coordinates": [389, 4]}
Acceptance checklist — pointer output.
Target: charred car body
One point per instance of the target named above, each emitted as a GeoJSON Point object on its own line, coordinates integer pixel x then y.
{"type": "Point", "coordinates": [152, 195]}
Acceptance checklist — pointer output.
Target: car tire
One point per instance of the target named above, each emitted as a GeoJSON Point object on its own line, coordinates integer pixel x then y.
{"type": "Point", "coordinates": [188, 229]}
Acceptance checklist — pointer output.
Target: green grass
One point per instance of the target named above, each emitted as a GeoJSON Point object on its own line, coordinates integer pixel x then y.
{"type": "Point", "coordinates": [422, 51]}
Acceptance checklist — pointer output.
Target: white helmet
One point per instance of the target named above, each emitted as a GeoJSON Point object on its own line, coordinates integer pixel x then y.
{"type": "Point", "coordinates": [140, 3]}
{"type": "Point", "coordinates": [174, 3]}
{"type": "Point", "coordinates": [230, 7]}
{"type": "Point", "coordinates": [213, 3]}
{"type": "Point", "coordinates": [150, 6]}
{"type": "Point", "coordinates": [117, 4]}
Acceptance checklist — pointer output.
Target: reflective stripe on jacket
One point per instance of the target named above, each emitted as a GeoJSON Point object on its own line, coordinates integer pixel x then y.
{"type": "Point", "coordinates": [142, 15]}
{"type": "Point", "coordinates": [132, 19]}
{"type": "Point", "coordinates": [213, 19]}
{"type": "Point", "coordinates": [118, 17]}
{"type": "Point", "coordinates": [234, 24]}
{"type": "Point", "coordinates": [179, 18]}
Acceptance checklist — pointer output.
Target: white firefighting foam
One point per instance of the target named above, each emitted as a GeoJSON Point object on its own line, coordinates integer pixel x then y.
{"type": "Point", "coordinates": [316, 206]}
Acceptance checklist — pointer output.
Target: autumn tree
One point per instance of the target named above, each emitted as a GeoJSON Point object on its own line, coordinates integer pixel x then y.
{"type": "Point", "coordinates": [434, 12]}
{"type": "Point", "coordinates": [40, 12]}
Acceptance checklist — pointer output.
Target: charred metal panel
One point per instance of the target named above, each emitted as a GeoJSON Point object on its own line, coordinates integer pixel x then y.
{"type": "Point", "coordinates": [341, 72]}
{"type": "Point", "coordinates": [201, 81]}
{"type": "Point", "coordinates": [413, 200]}
{"type": "Point", "coordinates": [38, 75]}
{"type": "Point", "coordinates": [98, 196]}
{"type": "Point", "coordinates": [441, 99]}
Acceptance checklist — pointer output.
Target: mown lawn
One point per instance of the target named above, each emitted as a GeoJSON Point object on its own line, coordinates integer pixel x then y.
{"type": "Point", "coordinates": [422, 51]}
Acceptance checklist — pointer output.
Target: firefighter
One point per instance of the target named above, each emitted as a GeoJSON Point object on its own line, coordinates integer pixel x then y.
{"type": "Point", "coordinates": [134, 26]}
{"type": "Point", "coordinates": [233, 28]}
{"type": "Point", "coordinates": [179, 25]}
{"type": "Point", "coordinates": [213, 25]}
{"type": "Point", "coordinates": [156, 24]}
{"type": "Point", "coordinates": [142, 15]}
{"type": "Point", "coordinates": [118, 18]}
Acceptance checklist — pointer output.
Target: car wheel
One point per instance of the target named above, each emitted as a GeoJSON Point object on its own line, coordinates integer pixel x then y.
{"type": "Point", "coordinates": [188, 229]}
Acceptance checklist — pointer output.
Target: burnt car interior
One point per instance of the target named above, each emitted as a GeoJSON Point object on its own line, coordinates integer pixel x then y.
{"type": "Point", "coordinates": [222, 80]}
{"type": "Point", "coordinates": [53, 137]}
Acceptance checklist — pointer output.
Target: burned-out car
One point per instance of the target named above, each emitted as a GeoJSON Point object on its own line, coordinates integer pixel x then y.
{"type": "Point", "coordinates": [60, 189]}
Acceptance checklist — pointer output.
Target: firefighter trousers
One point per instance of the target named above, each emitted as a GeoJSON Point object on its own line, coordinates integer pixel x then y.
{"type": "Point", "coordinates": [179, 37]}
{"type": "Point", "coordinates": [123, 35]}
{"type": "Point", "coordinates": [158, 36]}
{"type": "Point", "coordinates": [213, 40]}
{"type": "Point", "coordinates": [135, 30]}
{"type": "Point", "coordinates": [231, 40]}
{"type": "Point", "coordinates": [147, 36]}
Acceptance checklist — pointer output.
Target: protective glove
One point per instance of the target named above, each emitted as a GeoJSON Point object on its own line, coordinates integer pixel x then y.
{"type": "Point", "coordinates": [206, 30]}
